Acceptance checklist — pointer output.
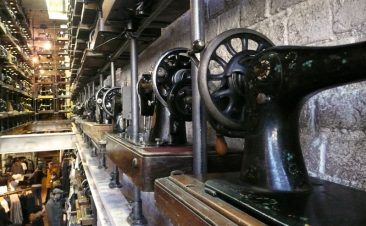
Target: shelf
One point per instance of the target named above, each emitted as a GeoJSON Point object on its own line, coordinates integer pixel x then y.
{"type": "Point", "coordinates": [159, 15]}
{"type": "Point", "coordinates": [65, 111]}
{"type": "Point", "coordinates": [15, 127]}
{"type": "Point", "coordinates": [22, 74]}
{"type": "Point", "coordinates": [4, 115]}
{"type": "Point", "coordinates": [12, 19]}
{"type": "Point", "coordinates": [89, 13]}
{"type": "Point", "coordinates": [62, 39]}
{"type": "Point", "coordinates": [44, 83]}
{"type": "Point", "coordinates": [9, 39]}
{"type": "Point", "coordinates": [45, 53]}
{"type": "Point", "coordinates": [80, 45]}
{"type": "Point", "coordinates": [78, 7]}
{"type": "Point", "coordinates": [83, 32]}
{"type": "Point", "coordinates": [45, 112]}
{"type": "Point", "coordinates": [64, 68]}
{"type": "Point", "coordinates": [42, 97]}
{"type": "Point", "coordinates": [11, 88]}
{"type": "Point", "coordinates": [75, 20]}
{"type": "Point", "coordinates": [64, 97]}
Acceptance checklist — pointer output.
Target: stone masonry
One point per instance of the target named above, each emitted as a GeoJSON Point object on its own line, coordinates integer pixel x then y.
{"type": "Point", "coordinates": [333, 122]}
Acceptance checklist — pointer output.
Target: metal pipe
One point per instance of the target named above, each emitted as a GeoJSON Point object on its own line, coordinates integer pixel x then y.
{"type": "Point", "coordinates": [93, 88]}
{"type": "Point", "coordinates": [89, 92]}
{"type": "Point", "coordinates": [199, 126]}
{"type": "Point", "coordinates": [85, 92]}
{"type": "Point", "coordinates": [136, 217]}
{"type": "Point", "coordinates": [113, 75]}
{"type": "Point", "coordinates": [134, 100]}
{"type": "Point", "coordinates": [101, 80]}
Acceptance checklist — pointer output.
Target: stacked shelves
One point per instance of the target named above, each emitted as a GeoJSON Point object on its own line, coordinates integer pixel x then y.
{"type": "Point", "coordinates": [94, 44]}
{"type": "Point", "coordinates": [16, 72]}
{"type": "Point", "coordinates": [51, 85]}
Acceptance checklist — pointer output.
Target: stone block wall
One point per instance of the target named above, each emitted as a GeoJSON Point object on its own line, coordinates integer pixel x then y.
{"type": "Point", "coordinates": [333, 122]}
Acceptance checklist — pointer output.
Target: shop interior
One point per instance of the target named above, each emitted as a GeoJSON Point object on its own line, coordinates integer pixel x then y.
{"type": "Point", "coordinates": [184, 112]}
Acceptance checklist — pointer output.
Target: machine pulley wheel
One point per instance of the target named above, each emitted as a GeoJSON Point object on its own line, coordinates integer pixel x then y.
{"type": "Point", "coordinates": [180, 101]}
{"type": "Point", "coordinates": [165, 69]}
{"type": "Point", "coordinates": [99, 96]}
{"type": "Point", "coordinates": [112, 94]}
{"type": "Point", "coordinates": [222, 75]}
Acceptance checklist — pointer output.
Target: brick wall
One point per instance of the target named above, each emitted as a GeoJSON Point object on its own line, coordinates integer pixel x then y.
{"type": "Point", "coordinates": [332, 122]}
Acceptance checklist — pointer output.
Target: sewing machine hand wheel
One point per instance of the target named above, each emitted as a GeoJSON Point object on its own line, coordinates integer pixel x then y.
{"type": "Point", "coordinates": [99, 96]}
{"type": "Point", "coordinates": [165, 70]}
{"type": "Point", "coordinates": [180, 99]}
{"type": "Point", "coordinates": [221, 75]}
{"type": "Point", "coordinates": [107, 102]}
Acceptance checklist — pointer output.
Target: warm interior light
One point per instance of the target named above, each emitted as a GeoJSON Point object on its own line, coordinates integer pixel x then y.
{"type": "Point", "coordinates": [35, 59]}
{"type": "Point", "coordinates": [47, 45]}
{"type": "Point", "coordinates": [57, 9]}
{"type": "Point", "coordinates": [41, 71]}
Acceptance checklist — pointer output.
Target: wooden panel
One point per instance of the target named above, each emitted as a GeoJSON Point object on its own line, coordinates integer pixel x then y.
{"type": "Point", "coordinates": [95, 131]}
{"type": "Point", "coordinates": [142, 166]}
{"type": "Point", "coordinates": [185, 194]}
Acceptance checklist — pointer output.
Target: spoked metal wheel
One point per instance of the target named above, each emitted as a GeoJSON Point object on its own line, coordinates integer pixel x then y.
{"type": "Point", "coordinates": [165, 71]}
{"type": "Point", "coordinates": [112, 95]}
{"type": "Point", "coordinates": [99, 96]}
{"type": "Point", "coordinates": [222, 73]}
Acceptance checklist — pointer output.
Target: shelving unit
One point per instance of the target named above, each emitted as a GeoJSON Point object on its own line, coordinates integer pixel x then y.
{"type": "Point", "coordinates": [16, 71]}
{"type": "Point", "coordinates": [51, 85]}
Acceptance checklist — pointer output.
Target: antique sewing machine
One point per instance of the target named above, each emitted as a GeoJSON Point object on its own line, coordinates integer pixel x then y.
{"type": "Point", "coordinates": [162, 147]}
{"type": "Point", "coordinates": [254, 90]}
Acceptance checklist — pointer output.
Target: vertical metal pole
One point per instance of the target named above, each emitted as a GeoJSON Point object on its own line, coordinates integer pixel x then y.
{"type": "Point", "coordinates": [113, 75]}
{"type": "Point", "coordinates": [101, 80]}
{"type": "Point", "coordinates": [136, 217]}
{"type": "Point", "coordinates": [85, 92]}
{"type": "Point", "coordinates": [93, 88]}
{"type": "Point", "coordinates": [89, 92]}
{"type": "Point", "coordinates": [199, 126]}
{"type": "Point", "coordinates": [134, 100]}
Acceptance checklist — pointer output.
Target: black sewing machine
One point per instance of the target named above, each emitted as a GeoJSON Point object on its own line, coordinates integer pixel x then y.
{"type": "Point", "coordinates": [254, 90]}
{"type": "Point", "coordinates": [167, 97]}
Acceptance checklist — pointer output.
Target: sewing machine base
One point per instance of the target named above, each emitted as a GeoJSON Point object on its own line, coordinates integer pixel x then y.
{"type": "Point", "coordinates": [94, 130]}
{"type": "Point", "coordinates": [183, 200]}
{"type": "Point", "coordinates": [144, 164]}
{"type": "Point", "coordinates": [327, 204]}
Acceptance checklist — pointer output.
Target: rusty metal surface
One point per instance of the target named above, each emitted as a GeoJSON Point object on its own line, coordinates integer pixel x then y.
{"type": "Point", "coordinates": [184, 202]}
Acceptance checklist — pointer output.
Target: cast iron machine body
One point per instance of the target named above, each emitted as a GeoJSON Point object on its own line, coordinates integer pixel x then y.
{"type": "Point", "coordinates": [256, 91]}
{"type": "Point", "coordinates": [100, 115]}
{"type": "Point", "coordinates": [166, 95]}
{"type": "Point", "coordinates": [112, 107]}
{"type": "Point", "coordinates": [165, 101]}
